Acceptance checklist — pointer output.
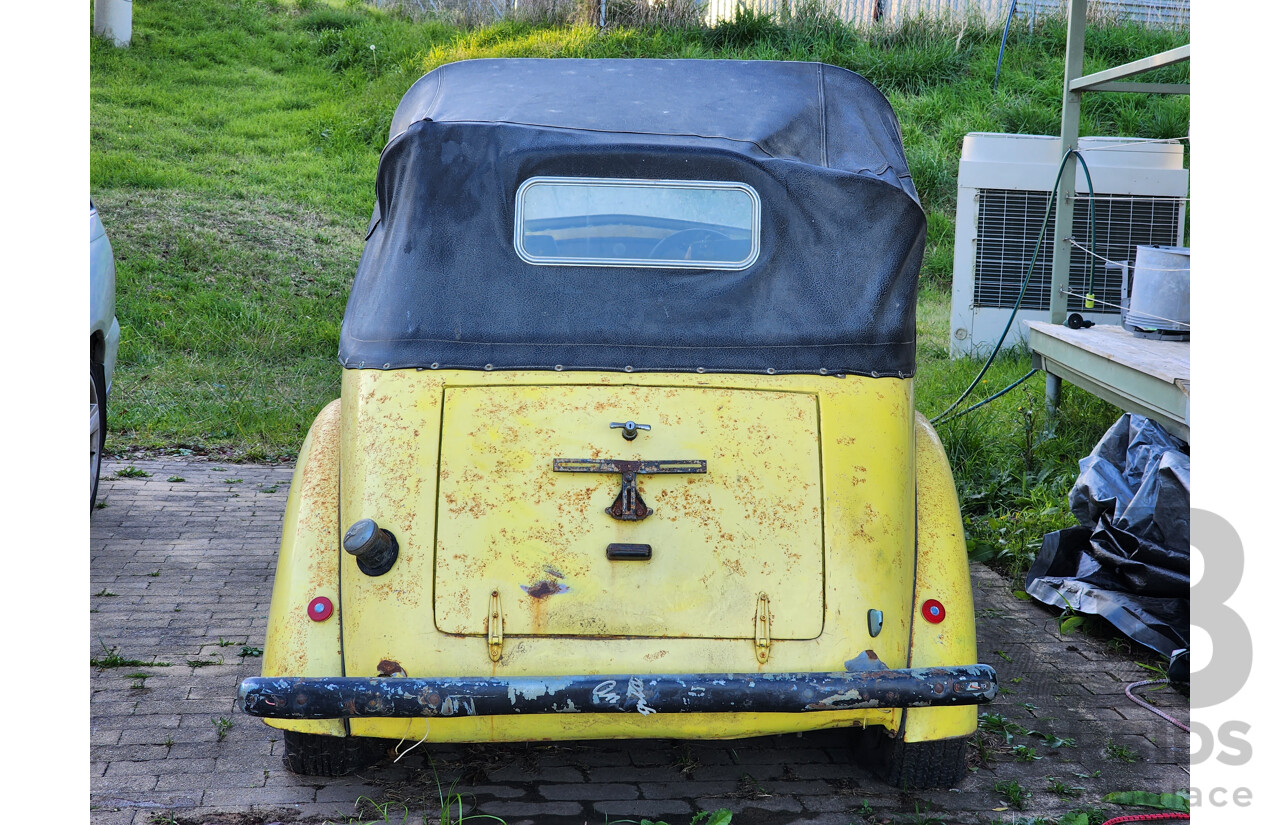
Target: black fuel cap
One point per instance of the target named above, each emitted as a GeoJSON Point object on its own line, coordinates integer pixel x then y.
{"type": "Point", "coordinates": [375, 549]}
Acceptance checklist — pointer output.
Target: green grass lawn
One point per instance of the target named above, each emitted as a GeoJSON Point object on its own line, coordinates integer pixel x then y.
{"type": "Point", "coordinates": [233, 152]}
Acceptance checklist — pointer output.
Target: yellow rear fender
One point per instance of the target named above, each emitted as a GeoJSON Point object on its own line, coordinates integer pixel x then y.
{"type": "Point", "coordinates": [307, 573]}
{"type": "Point", "coordinates": [942, 577]}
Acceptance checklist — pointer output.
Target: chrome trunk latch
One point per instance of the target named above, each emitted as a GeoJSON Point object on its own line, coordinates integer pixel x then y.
{"type": "Point", "coordinates": [628, 506]}
{"type": "Point", "coordinates": [629, 429]}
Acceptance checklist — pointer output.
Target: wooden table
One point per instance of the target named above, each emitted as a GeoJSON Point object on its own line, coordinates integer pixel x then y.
{"type": "Point", "coordinates": [1139, 375]}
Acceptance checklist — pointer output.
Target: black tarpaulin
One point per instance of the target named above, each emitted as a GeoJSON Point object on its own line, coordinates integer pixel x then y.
{"type": "Point", "coordinates": [841, 232]}
{"type": "Point", "coordinates": [1130, 561]}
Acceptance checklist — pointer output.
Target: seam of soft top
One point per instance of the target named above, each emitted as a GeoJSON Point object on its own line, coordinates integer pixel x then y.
{"type": "Point", "coordinates": [822, 116]}
{"type": "Point", "coordinates": [435, 99]}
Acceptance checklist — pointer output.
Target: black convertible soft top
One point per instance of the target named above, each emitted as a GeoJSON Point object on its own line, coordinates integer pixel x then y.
{"type": "Point", "coordinates": [833, 289]}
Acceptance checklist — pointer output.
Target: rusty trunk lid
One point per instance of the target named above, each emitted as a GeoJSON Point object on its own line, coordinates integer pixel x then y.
{"type": "Point", "coordinates": [511, 521]}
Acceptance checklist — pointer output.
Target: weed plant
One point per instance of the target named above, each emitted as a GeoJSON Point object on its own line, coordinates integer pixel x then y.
{"type": "Point", "coordinates": [111, 658]}
{"type": "Point", "coordinates": [1015, 794]}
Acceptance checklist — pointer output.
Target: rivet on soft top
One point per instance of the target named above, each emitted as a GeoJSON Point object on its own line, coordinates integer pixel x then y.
{"type": "Point", "coordinates": [361, 365]}
{"type": "Point", "coordinates": [875, 374]}
{"type": "Point", "coordinates": [628, 368]}
{"type": "Point", "coordinates": [559, 367]}
{"type": "Point", "coordinates": [700, 369]}
{"type": "Point", "coordinates": [386, 366]}
{"type": "Point", "coordinates": [435, 365]}
{"type": "Point", "coordinates": [771, 370]}
{"type": "Point", "coordinates": [488, 366]}
{"type": "Point", "coordinates": [822, 371]}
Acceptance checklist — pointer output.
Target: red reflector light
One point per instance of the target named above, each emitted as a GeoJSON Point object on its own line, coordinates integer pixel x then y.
{"type": "Point", "coordinates": [320, 609]}
{"type": "Point", "coordinates": [933, 611]}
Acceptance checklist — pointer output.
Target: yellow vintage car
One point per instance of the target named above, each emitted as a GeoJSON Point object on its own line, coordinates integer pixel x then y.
{"type": "Point", "coordinates": [626, 444]}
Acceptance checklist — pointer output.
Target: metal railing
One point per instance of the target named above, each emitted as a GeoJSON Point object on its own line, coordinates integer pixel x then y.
{"type": "Point", "coordinates": [861, 13]}
{"type": "Point", "coordinates": [1162, 13]}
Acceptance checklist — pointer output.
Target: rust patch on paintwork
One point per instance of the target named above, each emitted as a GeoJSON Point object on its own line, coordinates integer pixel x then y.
{"type": "Point", "coordinates": [655, 656]}
{"type": "Point", "coordinates": [544, 588]}
{"type": "Point", "coordinates": [318, 478]}
{"type": "Point", "coordinates": [390, 667]}
{"type": "Point", "coordinates": [293, 641]}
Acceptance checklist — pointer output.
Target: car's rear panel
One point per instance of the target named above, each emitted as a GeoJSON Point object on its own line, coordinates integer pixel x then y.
{"type": "Point", "coordinates": [509, 522]}
{"type": "Point", "coordinates": [804, 514]}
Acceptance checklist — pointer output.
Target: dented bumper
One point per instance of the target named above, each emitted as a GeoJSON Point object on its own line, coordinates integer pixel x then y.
{"type": "Point", "coordinates": [403, 697]}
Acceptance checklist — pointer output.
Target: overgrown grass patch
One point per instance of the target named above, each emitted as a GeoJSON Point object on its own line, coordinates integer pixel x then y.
{"type": "Point", "coordinates": [230, 316]}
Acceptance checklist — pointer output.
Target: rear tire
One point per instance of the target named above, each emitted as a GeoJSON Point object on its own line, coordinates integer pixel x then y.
{"type": "Point", "coordinates": [97, 426]}
{"type": "Point", "coordinates": [940, 763]}
{"type": "Point", "coordinates": [311, 754]}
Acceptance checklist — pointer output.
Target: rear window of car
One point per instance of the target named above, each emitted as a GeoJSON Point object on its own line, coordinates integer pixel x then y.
{"type": "Point", "coordinates": [669, 224]}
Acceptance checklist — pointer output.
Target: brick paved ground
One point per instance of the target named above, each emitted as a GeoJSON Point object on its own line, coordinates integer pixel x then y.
{"type": "Point", "coordinates": [181, 574]}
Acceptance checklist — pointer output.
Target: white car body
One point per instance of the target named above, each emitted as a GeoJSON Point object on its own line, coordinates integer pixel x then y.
{"type": "Point", "coordinates": [104, 340]}
{"type": "Point", "coordinates": [104, 329]}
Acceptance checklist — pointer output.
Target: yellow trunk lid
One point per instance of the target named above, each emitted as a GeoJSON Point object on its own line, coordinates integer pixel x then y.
{"type": "Point", "coordinates": [749, 526]}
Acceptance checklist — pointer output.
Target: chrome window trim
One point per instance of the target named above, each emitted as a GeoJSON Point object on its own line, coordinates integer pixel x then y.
{"type": "Point", "coordinates": [621, 263]}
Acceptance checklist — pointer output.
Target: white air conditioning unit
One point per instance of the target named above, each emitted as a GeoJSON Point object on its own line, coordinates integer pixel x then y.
{"type": "Point", "coordinates": [1140, 191]}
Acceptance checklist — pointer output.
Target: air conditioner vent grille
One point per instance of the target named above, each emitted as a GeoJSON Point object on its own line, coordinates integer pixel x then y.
{"type": "Point", "coordinates": [1009, 222]}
